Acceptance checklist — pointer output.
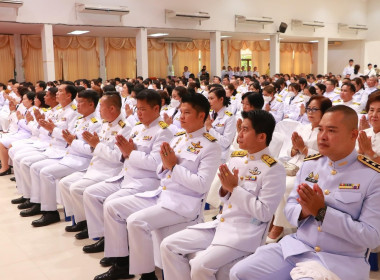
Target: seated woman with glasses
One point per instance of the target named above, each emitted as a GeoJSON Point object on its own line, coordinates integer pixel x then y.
{"type": "Point", "coordinates": [304, 143]}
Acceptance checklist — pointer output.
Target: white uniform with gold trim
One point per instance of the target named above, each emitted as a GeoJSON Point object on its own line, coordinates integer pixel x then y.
{"type": "Point", "coordinates": [238, 231]}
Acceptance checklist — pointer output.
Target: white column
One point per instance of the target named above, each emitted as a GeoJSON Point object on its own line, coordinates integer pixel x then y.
{"type": "Point", "coordinates": [102, 59]}
{"type": "Point", "coordinates": [274, 54]}
{"type": "Point", "coordinates": [170, 59]}
{"type": "Point", "coordinates": [322, 55]}
{"type": "Point", "coordinates": [225, 48]}
{"type": "Point", "coordinates": [142, 52]}
{"type": "Point", "coordinates": [18, 59]}
{"type": "Point", "coordinates": [47, 52]}
{"type": "Point", "coordinates": [215, 53]}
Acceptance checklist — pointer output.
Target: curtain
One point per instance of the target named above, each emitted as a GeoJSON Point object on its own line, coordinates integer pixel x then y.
{"type": "Point", "coordinates": [259, 49]}
{"type": "Point", "coordinates": [302, 60]}
{"type": "Point", "coordinates": [157, 58]}
{"type": "Point", "coordinates": [32, 58]}
{"type": "Point", "coordinates": [120, 56]}
{"type": "Point", "coordinates": [7, 58]}
{"type": "Point", "coordinates": [76, 57]}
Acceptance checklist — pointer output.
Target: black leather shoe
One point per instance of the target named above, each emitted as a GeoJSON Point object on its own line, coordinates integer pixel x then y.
{"type": "Point", "coordinates": [148, 276]}
{"type": "Point", "coordinates": [49, 217]}
{"type": "Point", "coordinates": [107, 261]}
{"type": "Point", "coordinates": [77, 227]}
{"type": "Point", "coordinates": [19, 200]}
{"type": "Point", "coordinates": [82, 235]}
{"type": "Point", "coordinates": [13, 179]}
{"type": "Point", "coordinates": [96, 247]}
{"type": "Point", "coordinates": [34, 210]}
{"type": "Point", "coordinates": [27, 204]}
{"type": "Point", "coordinates": [115, 272]}
{"type": "Point", "coordinates": [6, 172]}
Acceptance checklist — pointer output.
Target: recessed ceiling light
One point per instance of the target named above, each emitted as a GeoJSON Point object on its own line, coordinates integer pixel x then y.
{"type": "Point", "coordinates": [314, 41]}
{"type": "Point", "coordinates": [266, 39]}
{"type": "Point", "coordinates": [78, 32]}
{"type": "Point", "coordinates": [158, 34]}
{"type": "Point", "coordinates": [225, 36]}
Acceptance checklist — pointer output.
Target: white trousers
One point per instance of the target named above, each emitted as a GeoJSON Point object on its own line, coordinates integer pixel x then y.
{"type": "Point", "coordinates": [142, 215]}
{"type": "Point", "coordinates": [188, 254]}
{"type": "Point", "coordinates": [279, 217]}
{"type": "Point", "coordinates": [268, 264]}
{"type": "Point", "coordinates": [72, 188]}
{"type": "Point", "coordinates": [50, 172]}
{"type": "Point", "coordinates": [213, 194]}
{"type": "Point", "coordinates": [94, 198]}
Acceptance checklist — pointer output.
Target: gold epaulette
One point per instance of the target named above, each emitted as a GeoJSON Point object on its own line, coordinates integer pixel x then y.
{"type": "Point", "coordinates": [163, 125]}
{"type": "Point", "coordinates": [370, 163]}
{"type": "Point", "coordinates": [180, 133]}
{"type": "Point", "coordinates": [240, 153]}
{"type": "Point", "coordinates": [209, 137]}
{"type": "Point", "coordinates": [165, 108]}
{"type": "Point", "coordinates": [94, 120]}
{"type": "Point", "coordinates": [138, 123]}
{"type": "Point", "coordinates": [228, 113]}
{"type": "Point", "coordinates": [337, 101]}
{"type": "Point", "coordinates": [80, 117]}
{"type": "Point", "coordinates": [121, 123]}
{"type": "Point", "coordinates": [311, 157]}
{"type": "Point", "coordinates": [279, 99]}
{"type": "Point", "coordinates": [46, 109]}
{"type": "Point", "coordinates": [59, 107]}
{"type": "Point", "coordinates": [268, 160]}
{"type": "Point", "coordinates": [355, 103]}
{"type": "Point", "coordinates": [363, 112]}
{"type": "Point", "coordinates": [73, 107]}
{"type": "Point", "coordinates": [233, 97]}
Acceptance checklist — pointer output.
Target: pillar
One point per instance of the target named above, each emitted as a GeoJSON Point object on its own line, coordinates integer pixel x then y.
{"type": "Point", "coordinates": [322, 55]}
{"type": "Point", "coordinates": [215, 54]}
{"type": "Point", "coordinates": [142, 52]}
{"type": "Point", "coordinates": [48, 52]}
{"type": "Point", "coordinates": [274, 54]}
{"type": "Point", "coordinates": [102, 59]}
{"type": "Point", "coordinates": [19, 69]}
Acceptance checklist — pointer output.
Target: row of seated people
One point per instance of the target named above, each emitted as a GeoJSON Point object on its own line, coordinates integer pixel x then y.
{"type": "Point", "coordinates": [85, 158]}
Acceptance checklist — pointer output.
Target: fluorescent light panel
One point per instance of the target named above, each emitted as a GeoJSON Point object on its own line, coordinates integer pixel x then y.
{"type": "Point", "coordinates": [78, 32]}
{"type": "Point", "coordinates": [225, 36]}
{"type": "Point", "coordinates": [314, 41]}
{"type": "Point", "coordinates": [158, 34]}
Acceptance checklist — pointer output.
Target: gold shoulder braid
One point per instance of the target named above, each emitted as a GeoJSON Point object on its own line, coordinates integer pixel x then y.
{"type": "Point", "coordinates": [73, 107]}
{"type": "Point", "coordinates": [163, 124]}
{"type": "Point", "coordinates": [268, 160]}
{"type": "Point", "coordinates": [121, 123]}
{"type": "Point", "coordinates": [180, 133]}
{"type": "Point", "coordinates": [369, 163]}
{"type": "Point", "coordinates": [209, 137]}
{"type": "Point", "coordinates": [228, 113]}
{"type": "Point", "coordinates": [138, 123]}
{"type": "Point", "coordinates": [240, 153]}
{"type": "Point", "coordinates": [94, 120]}
{"type": "Point", "coordinates": [311, 157]}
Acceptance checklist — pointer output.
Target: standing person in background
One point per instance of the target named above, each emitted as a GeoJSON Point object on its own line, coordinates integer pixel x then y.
{"type": "Point", "coordinates": [349, 69]}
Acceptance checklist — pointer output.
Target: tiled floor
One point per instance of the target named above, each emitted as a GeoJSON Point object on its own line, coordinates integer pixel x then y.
{"type": "Point", "coordinates": [47, 253]}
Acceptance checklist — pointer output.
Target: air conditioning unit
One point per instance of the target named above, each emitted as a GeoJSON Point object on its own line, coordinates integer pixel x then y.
{"type": "Point", "coordinates": [119, 11]}
{"type": "Point", "coordinates": [357, 27]}
{"type": "Point", "coordinates": [314, 24]}
{"type": "Point", "coordinates": [253, 20]}
{"type": "Point", "coordinates": [175, 40]}
{"type": "Point", "coordinates": [11, 4]}
{"type": "Point", "coordinates": [189, 16]}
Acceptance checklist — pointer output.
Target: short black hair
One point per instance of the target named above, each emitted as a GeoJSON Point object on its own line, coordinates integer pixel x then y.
{"type": "Point", "coordinates": [137, 88]}
{"type": "Point", "coordinates": [165, 96]}
{"type": "Point", "coordinates": [90, 95]}
{"type": "Point", "coordinates": [87, 83]}
{"type": "Point", "coordinates": [198, 102]}
{"type": "Point", "coordinates": [22, 90]}
{"type": "Point", "coordinates": [114, 99]}
{"type": "Point", "coordinates": [53, 91]}
{"type": "Point", "coordinates": [72, 90]}
{"type": "Point", "coordinates": [262, 122]}
{"type": "Point", "coordinates": [374, 97]}
{"type": "Point", "coordinates": [41, 97]}
{"type": "Point", "coordinates": [109, 88]}
{"type": "Point", "coordinates": [221, 93]}
{"type": "Point", "coordinates": [350, 86]}
{"type": "Point", "coordinates": [41, 84]}
{"type": "Point", "coordinates": [350, 116]}
{"type": "Point", "coordinates": [13, 81]}
{"type": "Point", "coordinates": [255, 99]}
{"type": "Point", "coordinates": [182, 91]}
{"type": "Point", "coordinates": [151, 96]}
{"type": "Point", "coordinates": [324, 102]}
{"type": "Point", "coordinates": [30, 95]}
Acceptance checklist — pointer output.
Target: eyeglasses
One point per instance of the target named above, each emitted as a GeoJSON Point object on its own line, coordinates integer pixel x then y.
{"type": "Point", "coordinates": [312, 110]}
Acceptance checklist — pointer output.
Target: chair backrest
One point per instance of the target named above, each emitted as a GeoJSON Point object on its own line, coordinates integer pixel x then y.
{"type": "Point", "coordinates": [276, 144]}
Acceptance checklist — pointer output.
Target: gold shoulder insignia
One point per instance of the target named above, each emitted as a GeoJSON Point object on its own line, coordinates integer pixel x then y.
{"type": "Point", "coordinates": [94, 120]}
{"type": "Point", "coordinates": [337, 101]}
{"type": "Point", "coordinates": [165, 108]}
{"type": "Point", "coordinates": [228, 113]}
{"type": "Point", "coordinates": [370, 163]}
{"type": "Point", "coordinates": [311, 157]}
{"type": "Point", "coordinates": [211, 110]}
{"type": "Point", "coordinates": [138, 123]}
{"type": "Point", "coordinates": [45, 109]}
{"type": "Point", "coordinates": [163, 124]}
{"type": "Point", "coordinates": [240, 153]}
{"type": "Point", "coordinates": [209, 137]}
{"type": "Point", "coordinates": [268, 160]}
{"type": "Point", "coordinates": [180, 133]}
{"type": "Point", "coordinates": [355, 103]}
{"type": "Point", "coordinates": [59, 107]}
{"type": "Point", "coordinates": [233, 97]}
{"type": "Point", "coordinates": [80, 117]}
{"type": "Point", "coordinates": [363, 112]}
{"type": "Point", "coordinates": [73, 107]}
{"type": "Point", "coordinates": [121, 123]}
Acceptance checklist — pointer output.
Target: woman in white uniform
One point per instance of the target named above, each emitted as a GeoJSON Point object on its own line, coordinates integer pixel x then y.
{"type": "Point", "coordinates": [304, 143]}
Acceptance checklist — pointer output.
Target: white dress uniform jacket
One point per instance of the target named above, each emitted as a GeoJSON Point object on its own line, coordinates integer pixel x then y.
{"type": "Point", "coordinates": [277, 108]}
{"type": "Point", "coordinates": [292, 105]}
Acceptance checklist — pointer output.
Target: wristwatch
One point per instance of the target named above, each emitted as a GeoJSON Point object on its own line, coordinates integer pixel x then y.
{"type": "Point", "coordinates": [321, 214]}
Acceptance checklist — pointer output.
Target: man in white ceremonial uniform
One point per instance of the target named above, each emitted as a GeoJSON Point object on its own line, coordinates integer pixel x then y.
{"type": "Point", "coordinates": [104, 164]}
{"type": "Point", "coordinates": [252, 187]}
{"type": "Point", "coordinates": [141, 157]}
{"type": "Point", "coordinates": [346, 98]}
{"type": "Point", "coordinates": [372, 83]}
{"type": "Point", "coordinates": [39, 142]}
{"type": "Point", "coordinates": [77, 158]}
{"type": "Point", "coordinates": [188, 167]}
{"type": "Point", "coordinates": [66, 117]}
{"type": "Point", "coordinates": [349, 69]}
{"type": "Point", "coordinates": [334, 204]}
{"type": "Point", "coordinates": [330, 91]}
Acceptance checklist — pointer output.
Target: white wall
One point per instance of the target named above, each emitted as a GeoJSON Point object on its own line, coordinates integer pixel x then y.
{"type": "Point", "coordinates": [338, 56]}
